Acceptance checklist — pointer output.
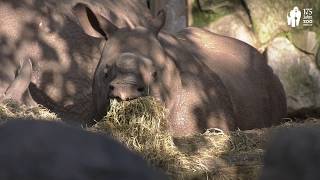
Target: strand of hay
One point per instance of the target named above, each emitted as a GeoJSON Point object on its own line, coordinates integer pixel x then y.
{"type": "Point", "coordinates": [12, 110]}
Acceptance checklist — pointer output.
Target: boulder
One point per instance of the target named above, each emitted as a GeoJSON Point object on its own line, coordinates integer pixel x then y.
{"type": "Point", "coordinates": [305, 41]}
{"type": "Point", "coordinates": [232, 25]}
{"type": "Point", "coordinates": [298, 73]}
{"type": "Point", "coordinates": [269, 17]}
{"type": "Point", "coordinates": [228, 19]}
{"type": "Point", "coordinates": [176, 16]}
{"type": "Point", "coordinates": [176, 13]}
{"type": "Point", "coordinates": [318, 58]}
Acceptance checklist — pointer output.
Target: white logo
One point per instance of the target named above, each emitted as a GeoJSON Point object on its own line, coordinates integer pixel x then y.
{"type": "Point", "coordinates": [293, 17]}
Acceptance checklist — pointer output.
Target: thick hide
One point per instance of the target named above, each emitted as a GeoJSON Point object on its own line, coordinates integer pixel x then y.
{"type": "Point", "coordinates": [63, 56]}
{"type": "Point", "coordinates": [205, 80]}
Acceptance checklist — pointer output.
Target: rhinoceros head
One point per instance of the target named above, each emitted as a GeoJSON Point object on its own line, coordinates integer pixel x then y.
{"type": "Point", "coordinates": [133, 62]}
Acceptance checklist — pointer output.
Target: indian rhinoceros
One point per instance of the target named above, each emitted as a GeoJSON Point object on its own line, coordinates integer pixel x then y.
{"type": "Point", "coordinates": [63, 56]}
{"type": "Point", "coordinates": [205, 80]}
{"type": "Point", "coordinates": [34, 149]}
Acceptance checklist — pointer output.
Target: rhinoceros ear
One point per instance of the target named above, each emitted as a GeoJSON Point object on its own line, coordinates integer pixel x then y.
{"type": "Point", "coordinates": [93, 24]}
{"type": "Point", "coordinates": [158, 22]}
{"type": "Point", "coordinates": [21, 82]}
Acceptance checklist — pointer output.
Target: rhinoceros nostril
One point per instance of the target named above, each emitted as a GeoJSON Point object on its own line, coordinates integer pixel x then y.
{"type": "Point", "coordinates": [111, 87]}
{"type": "Point", "coordinates": [140, 89]}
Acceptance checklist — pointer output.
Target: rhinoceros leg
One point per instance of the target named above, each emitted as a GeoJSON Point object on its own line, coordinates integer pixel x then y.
{"type": "Point", "coordinates": [18, 89]}
{"type": "Point", "coordinates": [27, 99]}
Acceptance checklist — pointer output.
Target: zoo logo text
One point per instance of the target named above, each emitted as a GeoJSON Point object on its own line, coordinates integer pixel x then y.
{"type": "Point", "coordinates": [294, 17]}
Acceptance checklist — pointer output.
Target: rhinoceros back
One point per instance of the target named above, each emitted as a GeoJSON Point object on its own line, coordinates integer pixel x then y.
{"type": "Point", "coordinates": [257, 96]}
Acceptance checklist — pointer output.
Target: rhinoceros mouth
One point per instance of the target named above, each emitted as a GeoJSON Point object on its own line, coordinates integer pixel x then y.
{"type": "Point", "coordinates": [119, 99]}
{"type": "Point", "coordinates": [125, 92]}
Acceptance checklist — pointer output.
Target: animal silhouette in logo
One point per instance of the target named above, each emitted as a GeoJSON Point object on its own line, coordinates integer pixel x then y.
{"type": "Point", "coordinates": [293, 17]}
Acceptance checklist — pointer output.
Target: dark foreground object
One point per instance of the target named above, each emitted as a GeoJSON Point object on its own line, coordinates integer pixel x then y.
{"type": "Point", "coordinates": [293, 154]}
{"type": "Point", "coordinates": [34, 150]}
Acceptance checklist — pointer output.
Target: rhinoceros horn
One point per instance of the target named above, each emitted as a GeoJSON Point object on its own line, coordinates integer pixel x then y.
{"type": "Point", "coordinates": [158, 22]}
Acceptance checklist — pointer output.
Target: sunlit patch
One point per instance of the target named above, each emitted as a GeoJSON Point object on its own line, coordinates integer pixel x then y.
{"type": "Point", "coordinates": [141, 124]}
{"type": "Point", "coordinates": [9, 109]}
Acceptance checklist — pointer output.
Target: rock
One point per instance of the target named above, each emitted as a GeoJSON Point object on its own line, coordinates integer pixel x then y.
{"type": "Point", "coordinates": [268, 19]}
{"type": "Point", "coordinates": [176, 13]}
{"type": "Point", "coordinates": [176, 16]}
{"type": "Point", "coordinates": [297, 72]}
{"type": "Point", "coordinates": [306, 41]}
{"type": "Point", "coordinates": [235, 21]}
{"type": "Point", "coordinates": [233, 26]}
{"type": "Point", "coordinates": [318, 58]}
{"type": "Point", "coordinates": [213, 5]}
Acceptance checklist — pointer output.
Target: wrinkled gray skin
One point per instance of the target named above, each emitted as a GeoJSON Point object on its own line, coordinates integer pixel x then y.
{"type": "Point", "coordinates": [205, 80]}
{"type": "Point", "coordinates": [293, 154]}
{"type": "Point", "coordinates": [63, 57]}
{"type": "Point", "coordinates": [33, 149]}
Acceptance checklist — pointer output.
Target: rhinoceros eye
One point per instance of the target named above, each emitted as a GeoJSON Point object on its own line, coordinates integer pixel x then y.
{"type": "Point", "coordinates": [154, 74]}
{"type": "Point", "coordinates": [105, 72]}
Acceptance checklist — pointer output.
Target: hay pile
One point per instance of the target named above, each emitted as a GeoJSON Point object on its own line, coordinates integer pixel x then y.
{"type": "Point", "coordinates": [12, 110]}
{"type": "Point", "coordinates": [140, 125]}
